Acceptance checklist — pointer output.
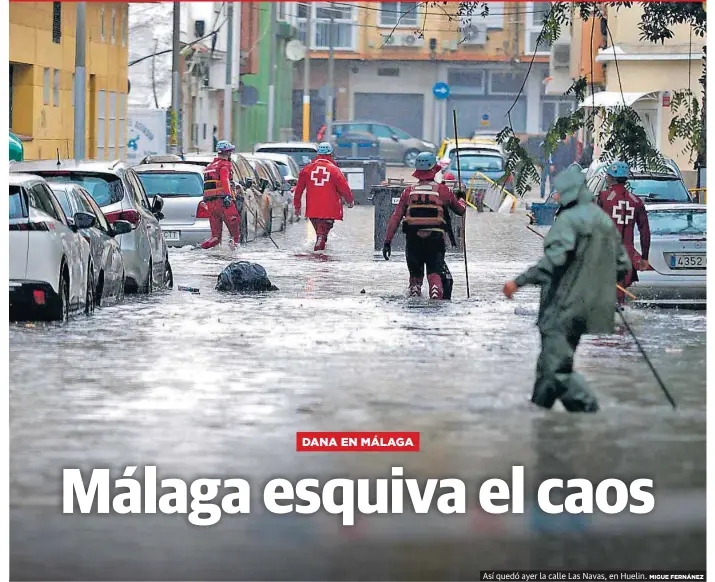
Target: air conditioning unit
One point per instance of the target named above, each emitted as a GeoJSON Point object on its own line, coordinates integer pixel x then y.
{"type": "Point", "coordinates": [412, 40]}
{"type": "Point", "coordinates": [474, 35]}
{"type": "Point", "coordinates": [450, 45]}
{"type": "Point", "coordinates": [389, 40]}
{"type": "Point", "coordinates": [560, 57]}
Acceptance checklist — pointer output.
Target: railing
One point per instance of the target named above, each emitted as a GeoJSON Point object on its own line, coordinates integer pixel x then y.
{"type": "Point", "coordinates": [482, 192]}
{"type": "Point", "coordinates": [699, 195]}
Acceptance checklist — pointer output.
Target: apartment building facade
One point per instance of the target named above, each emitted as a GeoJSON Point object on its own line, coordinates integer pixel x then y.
{"type": "Point", "coordinates": [42, 58]}
{"type": "Point", "coordinates": [390, 55]}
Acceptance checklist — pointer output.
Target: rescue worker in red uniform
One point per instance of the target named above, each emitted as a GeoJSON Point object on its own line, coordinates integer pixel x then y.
{"type": "Point", "coordinates": [219, 197]}
{"type": "Point", "coordinates": [423, 209]}
{"type": "Point", "coordinates": [325, 188]}
{"type": "Point", "coordinates": [626, 210]}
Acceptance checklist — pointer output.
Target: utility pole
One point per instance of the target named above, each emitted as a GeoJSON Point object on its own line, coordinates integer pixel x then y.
{"type": "Point", "coordinates": [331, 76]}
{"type": "Point", "coordinates": [272, 82]}
{"type": "Point", "coordinates": [80, 84]}
{"type": "Point", "coordinates": [306, 73]}
{"type": "Point", "coordinates": [228, 91]}
{"type": "Point", "coordinates": [175, 81]}
{"type": "Point", "coordinates": [237, 52]}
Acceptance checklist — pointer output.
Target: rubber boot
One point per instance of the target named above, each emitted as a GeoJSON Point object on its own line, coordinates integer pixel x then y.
{"type": "Point", "coordinates": [210, 243]}
{"type": "Point", "coordinates": [320, 243]}
{"type": "Point", "coordinates": [415, 286]}
{"type": "Point", "coordinates": [434, 282]}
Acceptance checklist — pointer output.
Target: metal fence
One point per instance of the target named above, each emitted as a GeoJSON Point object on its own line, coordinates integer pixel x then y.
{"type": "Point", "coordinates": [485, 194]}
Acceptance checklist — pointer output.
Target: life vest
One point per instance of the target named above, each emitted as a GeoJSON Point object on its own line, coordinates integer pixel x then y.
{"type": "Point", "coordinates": [425, 209]}
{"type": "Point", "coordinates": [212, 180]}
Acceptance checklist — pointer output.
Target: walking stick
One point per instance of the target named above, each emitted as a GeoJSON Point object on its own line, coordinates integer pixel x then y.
{"type": "Point", "coordinates": [645, 357]}
{"type": "Point", "coordinates": [635, 339]}
{"type": "Point", "coordinates": [459, 181]}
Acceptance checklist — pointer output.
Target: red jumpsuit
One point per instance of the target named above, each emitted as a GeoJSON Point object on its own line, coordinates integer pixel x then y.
{"type": "Point", "coordinates": [627, 210]}
{"type": "Point", "coordinates": [423, 207]}
{"type": "Point", "coordinates": [324, 185]}
{"type": "Point", "coordinates": [217, 187]}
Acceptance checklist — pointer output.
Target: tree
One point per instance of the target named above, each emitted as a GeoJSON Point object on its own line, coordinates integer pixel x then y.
{"type": "Point", "coordinates": [627, 138]}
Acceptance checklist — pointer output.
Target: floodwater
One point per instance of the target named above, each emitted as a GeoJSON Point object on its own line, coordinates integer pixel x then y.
{"type": "Point", "coordinates": [214, 385]}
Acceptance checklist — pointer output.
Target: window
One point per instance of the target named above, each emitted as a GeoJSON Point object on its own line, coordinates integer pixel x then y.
{"type": "Point", "coordinates": [495, 18]}
{"type": "Point", "coordinates": [677, 222]}
{"type": "Point", "coordinates": [139, 191]}
{"type": "Point", "coordinates": [320, 13]}
{"type": "Point", "coordinates": [535, 14]}
{"type": "Point", "coordinates": [56, 89]}
{"type": "Point", "coordinates": [40, 200]}
{"type": "Point", "coordinates": [113, 29]}
{"type": "Point", "coordinates": [58, 212]}
{"type": "Point", "coordinates": [502, 83]}
{"type": "Point", "coordinates": [125, 18]}
{"type": "Point", "coordinates": [46, 87]}
{"type": "Point", "coordinates": [56, 22]}
{"type": "Point", "coordinates": [468, 81]}
{"type": "Point", "coordinates": [340, 129]}
{"type": "Point", "coordinates": [101, 115]}
{"type": "Point", "coordinates": [388, 72]}
{"type": "Point", "coordinates": [112, 141]}
{"type": "Point", "coordinates": [404, 13]}
{"type": "Point", "coordinates": [101, 24]}
{"type": "Point", "coordinates": [478, 163]}
{"type": "Point", "coordinates": [106, 189]}
{"type": "Point", "coordinates": [400, 134]}
{"type": "Point", "coordinates": [172, 184]}
{"type": "Point", "coordinates": [381, 131]}
{"type": "Point", "coordinates": [102, 223]}
{"type": "Point", "coordinates": [63, 199]}
{"type": "Point", "coordinates": [551, 109]}
{"type": "Point", "coordinates": [17, 202]}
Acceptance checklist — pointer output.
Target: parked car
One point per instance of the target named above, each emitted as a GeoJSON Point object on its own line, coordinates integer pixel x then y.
{"type": "Point", "coordinates": [678, 256]}
{"type": "Point", "coordinates": [599, 166]}
{"type": "Point", "coordinates": [651, 187]}
{"type": "Point", "coordinates": [488, 162]}
{"type": "Point", "coordinates": [275, 191]}
{"type": "Point", "coordinates": [302, 152]}
{"type": "Point", "coordinates": [117, 190]}
{"type": "Point", "coordinates": [186, 217]}
{"type": "Point", "coordinates": [449, 146]}
{"type": "Point", "coordinates": [245, 176]}
{"type": "Point", "coordinates": [51, 270]}
{"type": "Point", "coordinates": [289, 170]}
{"type": "Point", "coordinates": [396, 145]}
{"type": "Point", "coordinates": [104, 248]}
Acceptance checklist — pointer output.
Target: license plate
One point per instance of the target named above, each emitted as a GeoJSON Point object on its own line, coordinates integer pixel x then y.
{"type": "Point", "coordinates": [172, 235]}
{"type": "Point", "coordinates": [688, 261]}
{"type": "Point", "coordinates": [396, 201]}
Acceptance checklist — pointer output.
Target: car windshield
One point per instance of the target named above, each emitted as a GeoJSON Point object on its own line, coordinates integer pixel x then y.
{"type": "Point", "coordinates": [17, 209]}
{"type": "Point", "coordinates": [106, 189]}
{"type": "Point", "coordinates": [172, 184]}
{"type": "Point", "coordinates": [653, 190]}
{"type": "Point", "coordinates": [677, 222]}
{"type": "Point", "coordinates": [478, 163]}
{"type": "Point", "coordinates": [302, 156]}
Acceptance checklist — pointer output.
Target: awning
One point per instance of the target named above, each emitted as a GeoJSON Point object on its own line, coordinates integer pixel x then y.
{"type": "Point", "coordinates": [614, 99]}
{"type": "Point", "coordinates": [16, 149]}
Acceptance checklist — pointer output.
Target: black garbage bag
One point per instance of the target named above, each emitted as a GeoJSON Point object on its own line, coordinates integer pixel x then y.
{"type": "Point", "coordinates": [244, 277]}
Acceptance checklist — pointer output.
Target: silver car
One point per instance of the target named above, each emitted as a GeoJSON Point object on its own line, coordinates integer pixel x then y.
{"type": "Point", "coordinates": [186, 220]}
{"type": "Point", "coordinates": [276, 216]}
{"type": "Point", "coordinates": [289, 170]}
{"type": "Point", "coordinates": [117, 190]}
{"type": "Point", "coordinates": [302, 152]}
{"type": "Point", "coordinates": [677, 258]}
{"type": "Point", "coordinates": [243, 175]}
{"type": "Point", "coordinates": [107, 261]}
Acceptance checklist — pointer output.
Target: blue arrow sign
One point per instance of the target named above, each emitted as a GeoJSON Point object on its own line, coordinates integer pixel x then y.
{"type": "Point", "coordinates": [440, 90]}
{"type": "Point", "coordinates": [485, 117]}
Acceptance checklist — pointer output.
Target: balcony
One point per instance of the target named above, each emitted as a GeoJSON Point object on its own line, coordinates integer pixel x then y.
{"type": "Point", "coordinates": [344, 26]}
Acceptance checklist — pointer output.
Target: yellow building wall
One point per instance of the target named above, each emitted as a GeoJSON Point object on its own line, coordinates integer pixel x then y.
{"type": "Point", "coordinates": [32, 50]}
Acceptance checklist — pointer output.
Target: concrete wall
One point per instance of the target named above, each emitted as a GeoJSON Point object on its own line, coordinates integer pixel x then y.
{"type": "Point", "coordinates": [32, 50]}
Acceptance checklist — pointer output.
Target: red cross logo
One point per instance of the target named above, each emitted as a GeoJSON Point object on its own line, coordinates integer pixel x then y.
{"type": "Point", "coordinates": [623, 212]}
{"type": "Point", "coordinates": [320, 176]}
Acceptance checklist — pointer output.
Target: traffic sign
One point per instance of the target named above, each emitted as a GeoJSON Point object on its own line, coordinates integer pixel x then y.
{"type": "Point", "coordinates": [485, 119]}
{"type": "Point", "coordinates": [440, 90]}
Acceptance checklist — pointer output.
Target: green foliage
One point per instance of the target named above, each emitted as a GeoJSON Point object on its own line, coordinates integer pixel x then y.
{"type": "Point", "coordinates": [687, 124]}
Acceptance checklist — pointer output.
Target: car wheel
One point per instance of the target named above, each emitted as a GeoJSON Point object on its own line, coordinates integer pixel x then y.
{"type": "Point", "coordinates": [149, 285]}
{"type": "Point", "coordinates": [89, 294]}
{"type": "Point", "coordinates": [269, 222]}
{"type": "Point", "coordinates": [410, 158]}
{"type": "Point", "coordinates": [244, 228]}
{"type": "Point", "coordinates": [99, 290]}
{"type": "Point", "coordinates": [61, 309]}
{"type": "Point", "coordinates": [168, 274]}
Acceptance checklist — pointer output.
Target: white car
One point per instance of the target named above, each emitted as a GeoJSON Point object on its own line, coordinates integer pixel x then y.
{"type": "Point", "coordinates": [468, 147]}
{"type": "Point", "coordinates": [677, 273]}
{"type": "Point", "coordinates": [51, 271]}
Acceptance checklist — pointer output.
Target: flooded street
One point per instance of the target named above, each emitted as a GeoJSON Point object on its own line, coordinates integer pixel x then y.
{"type": "Point", "coordinates": [215, 385]}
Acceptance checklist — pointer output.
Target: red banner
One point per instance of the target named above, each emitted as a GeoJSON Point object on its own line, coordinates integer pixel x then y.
{"type": "Point", "coordinates": [406, 442]}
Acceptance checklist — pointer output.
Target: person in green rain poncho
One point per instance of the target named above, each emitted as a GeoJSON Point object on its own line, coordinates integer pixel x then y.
{"type": "Point", "coordinates": [583, 260]}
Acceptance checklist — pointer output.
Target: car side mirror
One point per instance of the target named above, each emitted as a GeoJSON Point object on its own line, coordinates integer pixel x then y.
{"type": "Point", "coordinates": [395, 138]}
{"type": "Point", "coordinates": [157, 205]}
{"type": "Point", "coordinates": [287, 187]}
{"type": "Point", "coordinates": [292, 181]}
{"type": "Point", "coordinates": [248, 182]}
{"type": "Point", "coordinates": [263, 184]}
{"type": "Point", "coordinates": [121, 227]}
{"type": "Point", "coordinates": [83, 220]}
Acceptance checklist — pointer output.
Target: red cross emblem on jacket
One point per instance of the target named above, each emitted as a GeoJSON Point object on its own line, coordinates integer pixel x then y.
{"type": "Point", "coordinates": [623, 212]}
{"type": "Point", "coordinates": [324, 186]}
{"type": "Point", "coordinates": [627, 210]}
{"type": "Point", "coordinates": [319, 176]}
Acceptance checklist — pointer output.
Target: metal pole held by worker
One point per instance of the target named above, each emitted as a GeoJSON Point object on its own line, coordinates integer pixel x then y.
{"type": "Point", "coordinates": [272, 74]}
{"type": "Point", "coordinates": [236, 66]}
{"type": "Point", "coordinates": [80, 83]}
{"type": "Point", "coordinates": [459, 186]}
{"type": "Point", "coordinates": [331, 75]}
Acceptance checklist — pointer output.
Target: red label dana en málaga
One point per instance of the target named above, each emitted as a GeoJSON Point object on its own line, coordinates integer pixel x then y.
{"type": "Point", "coordinates": [358, 441]}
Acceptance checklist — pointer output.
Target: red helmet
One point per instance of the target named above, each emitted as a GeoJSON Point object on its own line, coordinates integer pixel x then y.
{"type": "Point", "coordinates": [448, 176]}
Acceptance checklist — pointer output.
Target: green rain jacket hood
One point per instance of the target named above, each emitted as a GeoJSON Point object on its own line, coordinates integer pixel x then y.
{"type": "Point", "coordinates": [583, 260]}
